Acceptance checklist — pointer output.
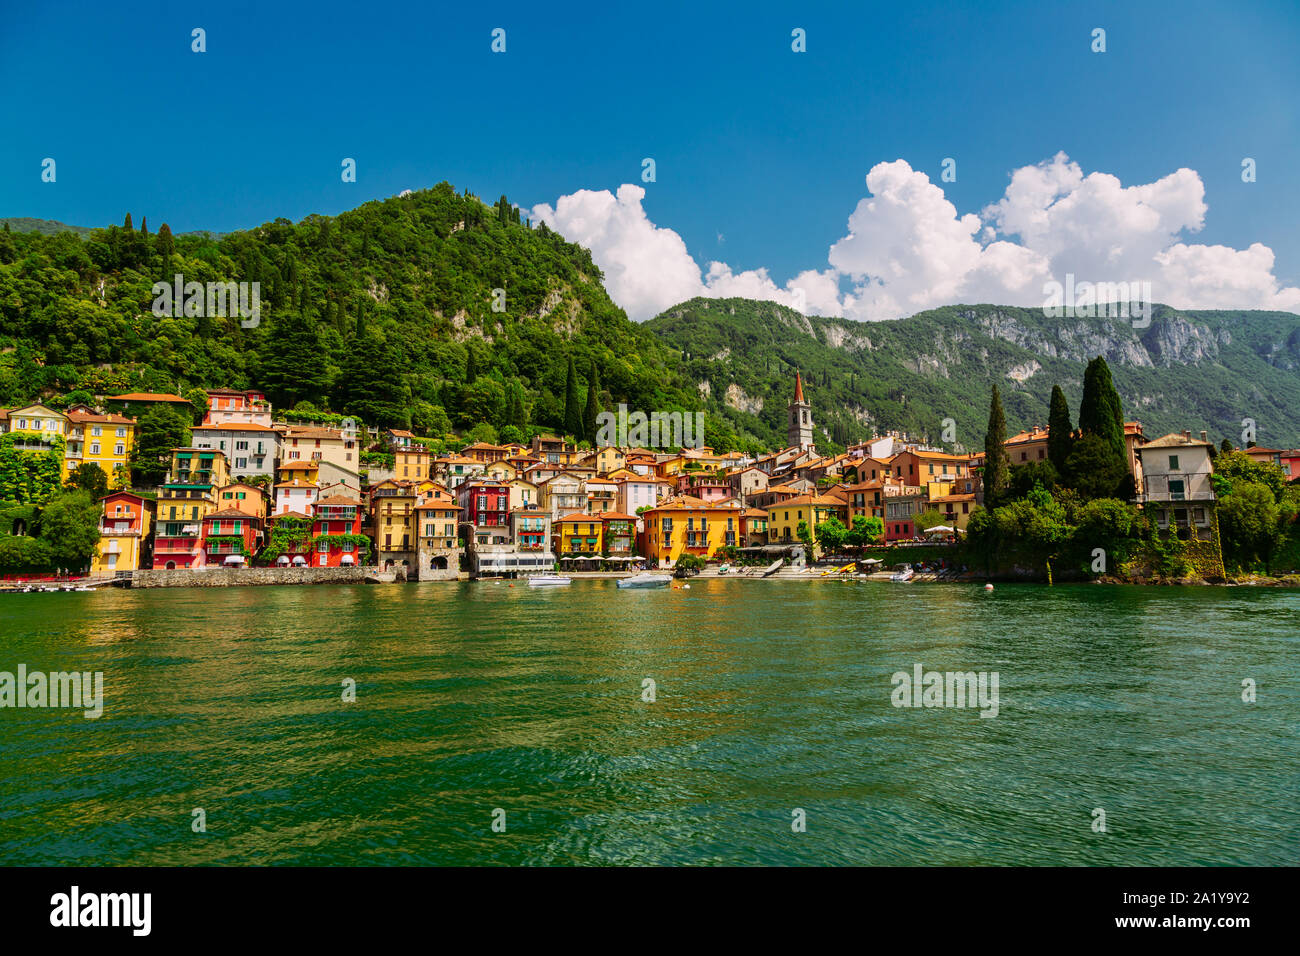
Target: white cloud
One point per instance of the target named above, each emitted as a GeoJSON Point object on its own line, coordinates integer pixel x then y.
{"type": "Point", "coordinates": [908, 248]}
{"type": "Point", "coordinates": [647, 267]}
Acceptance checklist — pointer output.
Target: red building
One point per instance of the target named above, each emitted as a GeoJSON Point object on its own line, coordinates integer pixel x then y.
{"type": "Point", "coordinates": [231, 537]}
{"type": "Point", "coordinates": [336, 516]}
{"type": "Point", "coordinates": [485, 502]}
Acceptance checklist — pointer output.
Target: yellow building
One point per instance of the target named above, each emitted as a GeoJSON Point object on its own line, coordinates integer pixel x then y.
{"type": "Point", "coordinates": [579, 533]}
{"type": "Point", "coordinates": [123, 530]}
{"type": "Point", "coordinates": [684, 524]}
{"type": "Point", "coordinates": [103, 440]}
{"type": "Point", "coordinates": [784, 517]}
{"type": "Point", "coordinates": [411, 464]}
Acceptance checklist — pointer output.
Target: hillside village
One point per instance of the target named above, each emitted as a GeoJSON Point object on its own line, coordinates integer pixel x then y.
{"type": "Point", "coordinates": [255, 489]}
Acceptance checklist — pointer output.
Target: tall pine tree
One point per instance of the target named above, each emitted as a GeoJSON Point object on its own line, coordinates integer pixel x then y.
{"type": "Point", "coordinates": [997, 463]}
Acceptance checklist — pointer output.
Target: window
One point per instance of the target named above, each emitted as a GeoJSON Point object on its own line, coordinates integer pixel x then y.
{"type": "Point", "coordinates": [121, 433]}
{"type": "Point", "coordinates": [119, 449]}
{"type": "Point", "coordinates": [96, 430]}
{"type": "Point", "coordinates": [1173, 463]}
{"type": "Point", "coordinates": [94, 448]}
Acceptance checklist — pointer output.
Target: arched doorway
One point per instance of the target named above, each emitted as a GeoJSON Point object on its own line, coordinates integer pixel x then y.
{"type": "Point", "coordinates": [439, 563]}
{"type": "Point", "coordinates": [171, 565]}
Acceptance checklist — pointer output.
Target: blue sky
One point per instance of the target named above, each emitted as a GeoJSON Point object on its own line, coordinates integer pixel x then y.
{"type": "Point", "coordinates": [753, 143]}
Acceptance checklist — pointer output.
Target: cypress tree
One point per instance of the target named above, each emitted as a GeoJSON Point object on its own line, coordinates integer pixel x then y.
{"type": "Point", "coordinates": [1100, 412]}
{"type": "Point", "coordinates": [1060, 433]}
{"type": "Point", "coordinates": [593, 406]}
{"type": "Point", "coordinates": [144, 225]}
{"type": "Point", "coordinates": [471, 366]}
{"type": "Point", "coordinates": [572, 410]}
{"type": "Point", "coordinates": [166, 246]}
{"type": "Point", "coordinates": [1226, 446]}
{"type": "Point", "coordinates": [997, 463]}
{"type": "Point", "coordinates": [127, 224]}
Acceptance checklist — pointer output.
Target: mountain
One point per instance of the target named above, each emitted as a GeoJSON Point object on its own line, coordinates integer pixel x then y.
{"type": "Point", "coordinates": [1187, 370]}
{"type": "Point", "coordinates": [430, 310]}
{"type": "Point", "coordinates": [44, 227]}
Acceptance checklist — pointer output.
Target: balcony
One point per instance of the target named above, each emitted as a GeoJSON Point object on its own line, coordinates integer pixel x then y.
{"type": "Point", "coordinates": [1178, 486]}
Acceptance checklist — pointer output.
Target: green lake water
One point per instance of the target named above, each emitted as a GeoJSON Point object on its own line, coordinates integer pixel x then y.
{"type": "Point", "coordinates": [771, 696]}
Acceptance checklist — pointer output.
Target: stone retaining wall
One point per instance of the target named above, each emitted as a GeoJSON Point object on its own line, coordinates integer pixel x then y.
{"type": "Point", "coordinates": [237, 577]}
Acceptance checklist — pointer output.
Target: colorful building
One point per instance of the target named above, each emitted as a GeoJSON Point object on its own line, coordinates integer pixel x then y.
{"type": "Point", "coordinates": [124, 529]}
{"type": "Point", "coordinates": [579, 533]}
{"type": "Point", "coordinates": [184, 500]}
{"type": "Point", "coordinates": [99, 439]}
{"type": "Point", "coordinates": [684, 524]}
{"type": "Point", "coordinates": [336, 533]}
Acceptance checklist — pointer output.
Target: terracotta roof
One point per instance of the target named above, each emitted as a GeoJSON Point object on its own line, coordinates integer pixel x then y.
{"type": "Point", "coordinates": [148, 397]}
{"type": "Point", "coordinates": [328, 433]}
{"type": "Point", "coordinates": [230, 512]}
{"type": "Point", "coordinates": [575, 516]}
{"type": "Point", "coordinates": [617, 516]}
{"type": "Point", "coordinates": [337, 500]}
{"type": "Point", "coordinates": [296, 483]}
{"type": "Point", "coordinates": [101, 419]}
{"type": "Point", "coordinates": [808, 500]}
{"type": "Point", "coordinates": [798, 387]}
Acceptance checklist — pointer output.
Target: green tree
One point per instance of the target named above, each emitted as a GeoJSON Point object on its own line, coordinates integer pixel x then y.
{"type": "Point", "coordinates": [997, 463]}
{"type": "Point", "coordinates": [832, 535]}
{"type": "Point", "coordinates": [70, 526]}
{"type": "Point", "coordinates": [1100, 412]}
{"type": "Point", "coordinates": [1097, 471]}
{"type": "Point", "coordinates": [157, 432]}
{"type": "Point", "coordinates": [90, 478]}
{"type": "Point", "coordinates": [1060, 433]}
{"type": "Point", "coordinates": [572, 406]}
{"type": "Point", "coordinates": [592, 408]}
{"type": "Point", "coordinates": [1248, 524]}
{"type": "Point", "coordinates": [867, 529]}
{"type": "Point", "coordinates": [292, 361]}
{"type": "Point", "coordinates": [368, 386]}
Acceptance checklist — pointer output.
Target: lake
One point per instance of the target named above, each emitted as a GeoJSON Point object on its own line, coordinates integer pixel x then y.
{"type": "Point", "coordinates": [487, 704]}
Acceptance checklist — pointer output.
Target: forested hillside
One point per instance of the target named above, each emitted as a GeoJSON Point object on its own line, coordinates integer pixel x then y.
{"type": "Point", "coordinates": [385, 311]}
{"type": "Point", "coordinates": [1188, 369]}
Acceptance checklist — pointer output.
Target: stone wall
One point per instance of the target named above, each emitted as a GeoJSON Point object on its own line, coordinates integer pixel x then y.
{"type": "Point", "coordinates": [237, 577]}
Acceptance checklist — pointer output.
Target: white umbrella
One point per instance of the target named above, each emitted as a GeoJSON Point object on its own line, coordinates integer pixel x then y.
{"type": "Point", "coordinates": [939, 529]}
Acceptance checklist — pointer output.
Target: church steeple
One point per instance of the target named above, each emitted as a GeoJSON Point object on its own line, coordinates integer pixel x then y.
{"type": "Point", "coordinates": [800, 428]}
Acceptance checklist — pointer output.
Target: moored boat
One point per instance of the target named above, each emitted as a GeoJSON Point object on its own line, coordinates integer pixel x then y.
{"type": "Point", "coordinates": [548, 581]}
{"type": "Point", "coordinates": [903, 576]}
{"type": "Point", "coordinates": [645, 581]}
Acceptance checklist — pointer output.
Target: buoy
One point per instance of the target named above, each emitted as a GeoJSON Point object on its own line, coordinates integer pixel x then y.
{"type": "Point", "coordinates": [988, 587]}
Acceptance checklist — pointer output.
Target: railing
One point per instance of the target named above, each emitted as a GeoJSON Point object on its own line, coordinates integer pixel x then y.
{"type": "Point", "coordinates": [1195, 487]}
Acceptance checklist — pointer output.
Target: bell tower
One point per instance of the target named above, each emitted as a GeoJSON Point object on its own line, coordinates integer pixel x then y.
{"type": "Point", "coordinates": [799, 432]}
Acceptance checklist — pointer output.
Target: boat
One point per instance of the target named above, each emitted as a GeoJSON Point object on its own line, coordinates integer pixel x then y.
{"type": "Point", "coordinates": [646, 581]}
{"type": "Point", "coordinates": [903, 576]}
{"type": "Point", "coordinates": [548, 581]}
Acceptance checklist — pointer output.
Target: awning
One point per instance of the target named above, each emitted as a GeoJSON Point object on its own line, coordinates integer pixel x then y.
{"type": "Point", "coordinates": [347, 559]}
{"type": "Point", "coordinates": [282, 559]}
{"type": "Point", "coordinates": [299, 560]}
{"type": "Point", "coordinates": [234, 559]}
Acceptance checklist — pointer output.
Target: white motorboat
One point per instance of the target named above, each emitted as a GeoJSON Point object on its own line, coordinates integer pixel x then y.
{"type": "Point", "coordinates": [548, 581]}
{"type": "Point", "coordinates": [903, 576]}
{"type": "Point", "coordinates": [646, 581]}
